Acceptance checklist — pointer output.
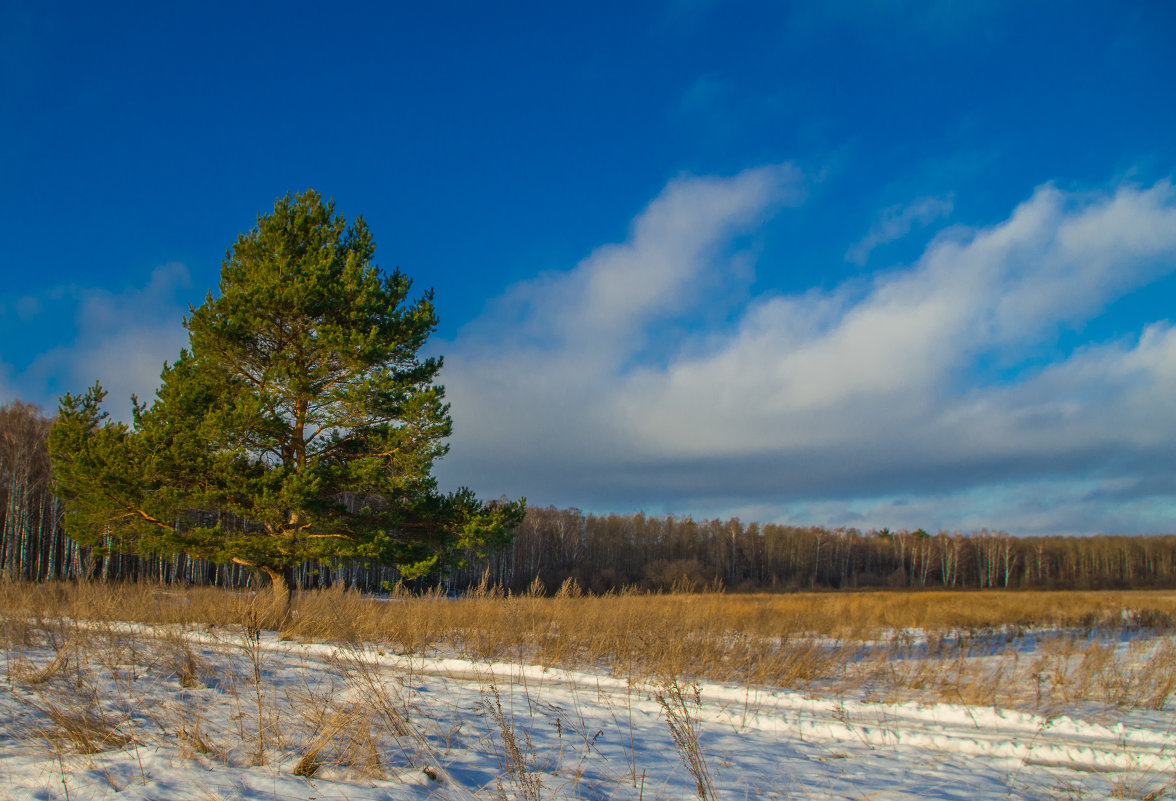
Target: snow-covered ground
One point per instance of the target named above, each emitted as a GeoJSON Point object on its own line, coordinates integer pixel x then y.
{"type": "Point", "coordinates": [135, 713]}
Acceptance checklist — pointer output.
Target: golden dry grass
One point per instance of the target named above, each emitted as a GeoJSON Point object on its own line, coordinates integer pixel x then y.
{"type": "Point", "coordinates": [959, 646]}
{"type": "Point", "coordinates": [423, 620]}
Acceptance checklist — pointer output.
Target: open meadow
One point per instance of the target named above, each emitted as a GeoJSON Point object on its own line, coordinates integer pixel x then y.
{"type": "Point", "coordinates": [155, 692]}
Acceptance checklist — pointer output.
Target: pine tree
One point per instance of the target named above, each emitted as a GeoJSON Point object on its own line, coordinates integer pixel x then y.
{"type": "Point", "coordinates": [302, 407]}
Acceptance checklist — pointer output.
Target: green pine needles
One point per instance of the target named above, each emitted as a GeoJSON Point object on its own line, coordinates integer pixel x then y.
{"type": "Point", "coordinates": [302, 408]}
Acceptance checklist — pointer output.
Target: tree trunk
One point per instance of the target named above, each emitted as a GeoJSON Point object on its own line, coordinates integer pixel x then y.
{"type": "Point", "coordinates": [282, 585]}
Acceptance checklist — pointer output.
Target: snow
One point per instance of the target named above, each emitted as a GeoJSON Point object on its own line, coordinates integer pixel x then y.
{"type": "Point", "coordinates": [408, 727]}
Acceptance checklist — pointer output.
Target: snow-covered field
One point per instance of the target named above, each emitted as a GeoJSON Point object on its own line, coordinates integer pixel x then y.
{"type": "Point", "coordinates": [205, 713]}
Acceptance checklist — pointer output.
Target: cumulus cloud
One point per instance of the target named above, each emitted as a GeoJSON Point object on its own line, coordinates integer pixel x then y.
{"type": "Point", "coordinates": [123, 339]}
{"type": "Point", "coordinates": [823, 396]}
{"type": "Point", "coordinates": [534, 364]}
{"type": "Point", "coordinates": [896, 222]}
{"type": "Point", "coordinates": [678, 250]}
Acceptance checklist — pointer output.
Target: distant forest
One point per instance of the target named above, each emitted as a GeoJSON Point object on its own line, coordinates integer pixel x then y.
{"type": "Point", "coordinates": [603, 553]}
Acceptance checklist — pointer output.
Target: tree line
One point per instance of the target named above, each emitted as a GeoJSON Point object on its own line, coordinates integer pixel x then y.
{"type": "Point", "coordinates": [600, 553]}
{"type": "Point", "coordinates": [609, 552]}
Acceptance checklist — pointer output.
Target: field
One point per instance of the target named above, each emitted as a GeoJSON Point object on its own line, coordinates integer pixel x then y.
{"type": "Point", "coordinates": [141, 691]}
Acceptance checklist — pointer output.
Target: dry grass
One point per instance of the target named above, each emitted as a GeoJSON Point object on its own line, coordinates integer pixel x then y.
{"type": "Point", "coordinates": [83, 727]}
{"type": "Point", "coordinates": [681, 707]}
{"type": "Point", "coordinates": [484, 618]}
{"type": "Point", "coordinates": [347, 740]}
{"type": "Point", "coordinates": [516, 754]}
{"type": "Point", "coordinates": [28, 674]}
{"type": "Point", "coordinates": [961, 646]}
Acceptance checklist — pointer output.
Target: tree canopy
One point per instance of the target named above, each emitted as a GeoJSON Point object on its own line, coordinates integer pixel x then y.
{"type": "Point", "coordinates": [302, 407]}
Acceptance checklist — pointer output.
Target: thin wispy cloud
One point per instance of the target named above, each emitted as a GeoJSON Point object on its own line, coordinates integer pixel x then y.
{"type": "Point", "coordinates": [896, 222]}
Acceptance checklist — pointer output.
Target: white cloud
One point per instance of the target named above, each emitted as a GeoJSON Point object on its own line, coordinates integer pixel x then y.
{"type": "Point", "coordinates": [540, 353]}
{"type": "Point", "coordinates": [123, 339]}
{"type": "Point", "coordinates": [833, 395]}
{"type": "Point", "coordinates": [676, 252]}
{"type": "Point", "coordinates": [820, 360]}
{"type": "Point", "coordinates": [896, 222]}
{"type": "Point", "coordinates": [535, 361]}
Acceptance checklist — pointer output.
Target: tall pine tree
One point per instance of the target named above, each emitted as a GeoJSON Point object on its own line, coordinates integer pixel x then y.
{"type": "Point", "coordinates": [302, 407]}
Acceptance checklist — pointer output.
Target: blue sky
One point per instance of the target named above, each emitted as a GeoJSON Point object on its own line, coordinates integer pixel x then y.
{"type": "Point", "coordinates": [853, 263]}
